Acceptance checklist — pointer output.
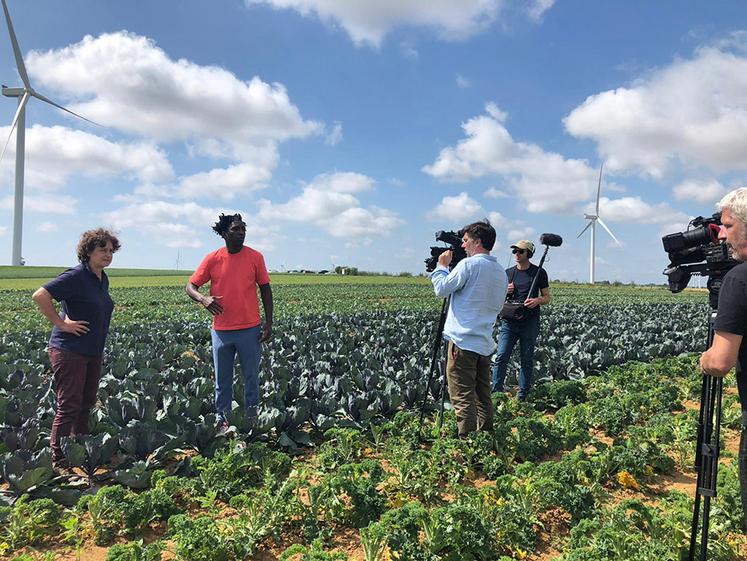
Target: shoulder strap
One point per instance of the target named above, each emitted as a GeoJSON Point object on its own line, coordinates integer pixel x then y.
{"type": "Point", "coordinates": [513, 274]}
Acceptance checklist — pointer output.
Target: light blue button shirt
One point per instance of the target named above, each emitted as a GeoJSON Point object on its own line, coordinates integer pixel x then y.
{"type": "Point", "coordinates": [477, 286]}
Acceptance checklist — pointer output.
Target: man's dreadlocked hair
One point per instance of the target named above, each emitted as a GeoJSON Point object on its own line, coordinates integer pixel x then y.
{"type": "Point", "coordinates": [224, 221]}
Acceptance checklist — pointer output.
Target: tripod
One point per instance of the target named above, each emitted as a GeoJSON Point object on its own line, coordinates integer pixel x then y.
{"type": "Point", "coordinates": [707, 448]}
{"type": "Point", "coordinates": [438, 345]}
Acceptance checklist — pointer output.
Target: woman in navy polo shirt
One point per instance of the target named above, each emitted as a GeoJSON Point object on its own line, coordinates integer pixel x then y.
{"type": "Point", "coordinates": [78, 334]}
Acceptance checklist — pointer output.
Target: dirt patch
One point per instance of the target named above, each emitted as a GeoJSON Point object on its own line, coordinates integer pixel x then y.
{"type": "Point", "coordinates": [677, 481]}
{"type": "Point", "coordinates": [691, 405]}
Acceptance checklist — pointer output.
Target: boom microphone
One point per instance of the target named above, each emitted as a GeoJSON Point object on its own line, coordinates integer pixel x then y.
{"type": "Point", "coordinates": [552, 240]}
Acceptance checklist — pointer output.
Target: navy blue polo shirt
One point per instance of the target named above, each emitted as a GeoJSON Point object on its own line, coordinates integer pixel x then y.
{"type": "Point", "coordinates": [83, 297]}
{"type": "Point", "coordinates": [523, 282]}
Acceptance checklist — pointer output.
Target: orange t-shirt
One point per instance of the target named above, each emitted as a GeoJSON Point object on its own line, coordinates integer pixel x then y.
{"type": "Point", "coordinates": [234, 277]}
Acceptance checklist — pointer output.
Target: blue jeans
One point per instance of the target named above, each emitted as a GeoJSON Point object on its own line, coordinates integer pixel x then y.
{"type": "Point", "coordinates": [525, 332]}
{"type": "Point", "coordinates": [225, 346]}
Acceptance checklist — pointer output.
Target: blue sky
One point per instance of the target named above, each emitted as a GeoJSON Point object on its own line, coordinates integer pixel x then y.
{"type": "Point", "coordinates": [349, 132]}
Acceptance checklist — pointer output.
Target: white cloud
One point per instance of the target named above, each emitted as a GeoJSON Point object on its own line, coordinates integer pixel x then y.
{"type": "Point", "coordinates": [54, 154]}
{"type": "Point", "coordinates": [223, 183]}
{"type": "Point", "coordinates": [3, 230]}
{"type": "Point", "coordinates": [46, 204]}
{"type": "Point", "coordinates": [160, 212]}
{"type": "Point", "coordinates": [495, 193]}
{"type": "Point", "coordinates": [671, 228]}
{"type": "Point", "coordinates": [186, 224]}
{"type": "Point", "coordinates": [125, 81]}
{"type": "Point", "coordinates": [177, 235]}
{"type": "Point", "coordinates": [335, 135]}
{"type": "Point", "coordinates": [409, 51]}
{"type": "Point", "coordinates": [342, 182]}
{"type": "Point", "coordinates": [634, 209]}
{"type": "Point", "coordinates": [367, 22]}
{"type": "Point", "coordinates": [498, 221]}
{"type": "Point", "coordinates": [459, 208]}
{"type": "Point", "coordinates": [702, 192]}
{"type": "Point", "coordinates": [693, 111]}
{"type": "Point", "coordinates": [328, 202]}
{"type": "Point", "coordinates": [462, 82]}
{"type": "Point", "coordinates": [544, 181]}
{"type": "Point", "coordinates": [359, 221]}
{"type": "Point", "coordinates": [47, 227]}
{"type": "Point", "coordinates": [521, 233]}
{"type": "Point", "coordinates": [538, 8]}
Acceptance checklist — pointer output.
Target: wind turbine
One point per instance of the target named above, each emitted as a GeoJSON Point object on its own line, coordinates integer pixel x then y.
{"type": "Point", "coordinates": [593, 219]}
{"type": "Point", "coordinates": [23, 94]}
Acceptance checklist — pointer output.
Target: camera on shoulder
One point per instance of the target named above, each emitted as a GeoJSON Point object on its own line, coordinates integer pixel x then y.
{"type": "Point", "coordinates": [454, 243]}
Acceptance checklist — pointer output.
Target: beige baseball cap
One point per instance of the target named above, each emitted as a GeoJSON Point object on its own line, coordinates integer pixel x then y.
{"type": "Point", "coordinates": [524, 244]}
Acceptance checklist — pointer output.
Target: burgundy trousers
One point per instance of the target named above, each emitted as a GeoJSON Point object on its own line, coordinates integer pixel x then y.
{"type": "Point", "coordinates": [77, 381]}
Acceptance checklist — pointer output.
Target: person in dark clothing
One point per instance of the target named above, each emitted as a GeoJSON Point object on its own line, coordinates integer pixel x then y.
{"type": "Point", "coordinates": [79, 332]}
{"type": "Point", "coordinates": [527, 329]}
{"type": "Point", "coordinates": [729, 348]}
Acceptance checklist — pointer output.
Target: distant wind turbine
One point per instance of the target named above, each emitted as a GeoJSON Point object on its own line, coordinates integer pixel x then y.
{"type": "Point", "coordinates": [19, 123]}
{"type": "Point", "coordinates": [593, 219]}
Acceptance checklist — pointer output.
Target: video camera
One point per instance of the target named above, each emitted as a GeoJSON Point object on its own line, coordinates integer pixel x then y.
{"type": "Point", "coordinates": [697, 251]}
{"type": "Point", "coordinates": [454, 240]}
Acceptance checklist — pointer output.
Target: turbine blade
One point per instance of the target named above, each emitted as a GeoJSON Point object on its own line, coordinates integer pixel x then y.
{"type": "Point", "coordinates": [58, 106]}
{"type": "Point", "coordinates": [603, 225]}
{"type": "Point", "coordinates": [16, 49]}
{"type": "Point", "coordinates": [599, 186]}
{"type": "Point", "coordinates": [584, 230]}
{"type": "Point", "coordinates": [21, 106]}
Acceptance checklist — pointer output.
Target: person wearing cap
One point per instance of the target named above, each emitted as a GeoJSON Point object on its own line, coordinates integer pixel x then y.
{"type": "Point", "coordinates": [525, 330]}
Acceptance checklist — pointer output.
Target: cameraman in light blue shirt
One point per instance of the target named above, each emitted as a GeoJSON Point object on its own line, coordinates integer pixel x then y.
{"type": "Point", "coordinates": [477, 286]}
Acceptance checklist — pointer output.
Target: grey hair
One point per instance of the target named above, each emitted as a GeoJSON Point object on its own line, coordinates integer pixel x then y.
{"type": "Point", "coordinates": [736, 202]}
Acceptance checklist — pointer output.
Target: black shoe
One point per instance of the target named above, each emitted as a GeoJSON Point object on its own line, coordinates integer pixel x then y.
{"type": "Point", "coordinates": [63, 472]}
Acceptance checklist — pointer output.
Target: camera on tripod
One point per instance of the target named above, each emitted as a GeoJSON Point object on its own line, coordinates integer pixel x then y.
{"type": "Point", "coordinates": [697, 251]}
{"type": "Point", "coordinates": [454, 240]}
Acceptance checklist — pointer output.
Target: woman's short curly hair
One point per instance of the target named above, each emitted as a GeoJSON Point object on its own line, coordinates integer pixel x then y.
{"type": "Point", "coordinates": [92, 239]}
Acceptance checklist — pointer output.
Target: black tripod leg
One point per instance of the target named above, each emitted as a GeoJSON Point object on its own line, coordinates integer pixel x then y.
{"type": "Point", "coordinates": [437, 344]}
{"type": "Point", "coordinates": [708, 473]}
{"type": "Point", "coordinates": [704, 401]}
{"type": "Point", "coordinates": [743, 470]}
{"type": "Point", "coordinates": [444, 385]}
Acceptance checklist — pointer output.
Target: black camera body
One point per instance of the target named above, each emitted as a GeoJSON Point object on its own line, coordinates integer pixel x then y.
{"type": "Point", "coordinates": [454, 241]}
{"type": "Point", "coordinates": [697, 251]}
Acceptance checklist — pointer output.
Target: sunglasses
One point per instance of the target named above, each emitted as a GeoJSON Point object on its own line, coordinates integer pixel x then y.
{"type": "Point", "coordinates": [517, 250]}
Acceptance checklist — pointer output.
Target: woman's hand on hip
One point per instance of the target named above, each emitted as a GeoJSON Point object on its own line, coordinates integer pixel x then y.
{"type": "Point", "coordinates": [78, 328]}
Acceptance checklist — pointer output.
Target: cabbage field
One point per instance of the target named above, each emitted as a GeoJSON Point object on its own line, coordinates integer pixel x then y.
{"type": "Point", "coordinates": [596, 465]}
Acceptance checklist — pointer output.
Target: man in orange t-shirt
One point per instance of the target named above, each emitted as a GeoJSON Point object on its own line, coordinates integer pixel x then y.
{"type": "Point", "coordinates": [234, 272]}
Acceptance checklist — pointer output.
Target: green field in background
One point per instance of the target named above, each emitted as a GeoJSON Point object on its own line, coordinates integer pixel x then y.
{"type": "Point", "coordinates": [11, 272]}
{"type": "Point", "coordinates": [125, 278]}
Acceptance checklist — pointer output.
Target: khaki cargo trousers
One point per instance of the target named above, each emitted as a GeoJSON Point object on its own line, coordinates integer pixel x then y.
{"type": "Point", "coordinates": [468, 376]}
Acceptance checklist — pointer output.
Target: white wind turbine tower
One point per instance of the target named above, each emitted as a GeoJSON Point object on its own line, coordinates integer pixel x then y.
{"type": "Point", "coordinates": [593, 219]}
{"type": "Point", "coordinates": [19, 123]}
